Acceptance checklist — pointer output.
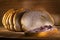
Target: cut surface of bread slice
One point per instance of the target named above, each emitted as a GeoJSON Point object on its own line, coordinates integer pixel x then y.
{"type": "Point", "coordinates": [35, 19]}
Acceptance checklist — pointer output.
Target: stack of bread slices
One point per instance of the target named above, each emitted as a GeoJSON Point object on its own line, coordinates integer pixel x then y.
{"type": "Point", "coordinates": [28, 21]}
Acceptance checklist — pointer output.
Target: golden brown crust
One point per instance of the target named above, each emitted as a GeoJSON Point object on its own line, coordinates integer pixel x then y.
{"type": "Point", "coordinates": [11, 21]}
{"type": "Point", "coordinates": [5, 17]}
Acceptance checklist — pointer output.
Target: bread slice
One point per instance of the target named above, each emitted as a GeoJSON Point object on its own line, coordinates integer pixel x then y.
{"type": "Point", "coordinates": [35, 19]}
{"type": "Point", "coordinates": [17, 19]}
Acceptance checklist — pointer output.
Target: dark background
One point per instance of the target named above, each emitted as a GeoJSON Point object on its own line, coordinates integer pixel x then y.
{"type": "Point", "coordinates": [52, 6]}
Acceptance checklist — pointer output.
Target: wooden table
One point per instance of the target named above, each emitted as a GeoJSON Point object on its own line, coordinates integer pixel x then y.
{"type": "Point", "coordinates": [20, 35]}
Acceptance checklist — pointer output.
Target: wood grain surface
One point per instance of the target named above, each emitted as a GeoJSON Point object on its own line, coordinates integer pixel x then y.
{"type": "Point", "coordinates": [20, 35]}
